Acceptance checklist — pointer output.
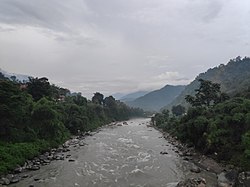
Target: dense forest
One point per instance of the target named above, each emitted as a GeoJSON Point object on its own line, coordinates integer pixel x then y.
{"type": "Point", "coordinates": [234, 78]}
{"type": "Point", "coordinates": [37, 115]}
{"type": "Point", "coordinates": [215, 124]}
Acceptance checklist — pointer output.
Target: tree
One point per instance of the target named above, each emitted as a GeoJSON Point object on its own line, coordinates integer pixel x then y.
{"type": "Point", "coordinates": [98, 98]}
{"type": "Point", "coordinates": [207, 94]}
{"type": "Point", "coordinates": [39, 87]}
{"type": "Point", "coordinates": [46, 119]}
{"type": "Point", "coordinates": [2, 77]}
{"type": "Point", "coordinates": [13, 78]}
{"type": "Point", "coordinates": [79, 100]}
{"type": "Point", "coordinates": [109, 102]}
{"type": "Point", "coordinates": [178, 110]}
{"type": "Point", "coordinates": [15, 110]}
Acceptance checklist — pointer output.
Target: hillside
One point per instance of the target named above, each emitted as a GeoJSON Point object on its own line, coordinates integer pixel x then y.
{"type": "Point", "coordinates": [234, 77]}
{"type": "Point", "coordinates": [155, 100]}
{"type": "Point", "coordinates": [132, 96]}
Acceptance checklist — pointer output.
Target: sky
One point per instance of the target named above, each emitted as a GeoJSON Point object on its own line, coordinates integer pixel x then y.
{"type": "Point", "coordinates": [121, 46]}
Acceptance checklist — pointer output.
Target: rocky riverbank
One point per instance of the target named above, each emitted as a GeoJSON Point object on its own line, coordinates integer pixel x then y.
{"type": "Point", "coordinates": [60, 153]}
{"type": "Point", "coordinates": [55, 154]}
{"type": "Point", "coordinates": [66, 154]}
{"type": "Point", "coordinates": [227, 175]}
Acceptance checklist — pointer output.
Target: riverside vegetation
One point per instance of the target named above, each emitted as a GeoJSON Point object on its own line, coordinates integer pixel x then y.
{"type": "Point", "coordinates": [214, 124]}
{"type": "Point", "coordinates": [37, 116]}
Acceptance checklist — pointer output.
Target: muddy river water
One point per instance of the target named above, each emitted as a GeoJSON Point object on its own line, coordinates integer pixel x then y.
{"type": "Point", "coordinates": [127, 155]}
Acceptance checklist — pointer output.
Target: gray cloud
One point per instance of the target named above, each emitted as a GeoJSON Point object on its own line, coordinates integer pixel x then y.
{"type": "Point", "coordinates": [116, 45]}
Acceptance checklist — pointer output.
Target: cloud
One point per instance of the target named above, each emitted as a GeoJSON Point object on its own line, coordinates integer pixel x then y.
{"type": "Point", "coordinates": [56, 14]}
{"type": "Point", "coordinates": [121, 46]}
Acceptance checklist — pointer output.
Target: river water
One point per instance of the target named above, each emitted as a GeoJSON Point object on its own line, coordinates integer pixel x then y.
{"type": "Point", "coordinates": [127, 155]}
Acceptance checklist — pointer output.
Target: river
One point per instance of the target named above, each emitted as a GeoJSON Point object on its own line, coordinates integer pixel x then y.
{"type": "Point", "coordinates": [127, 155]}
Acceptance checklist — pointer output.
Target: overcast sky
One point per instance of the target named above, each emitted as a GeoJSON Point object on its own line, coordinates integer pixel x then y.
{"type": "Point", "coordinates": [121, 45]}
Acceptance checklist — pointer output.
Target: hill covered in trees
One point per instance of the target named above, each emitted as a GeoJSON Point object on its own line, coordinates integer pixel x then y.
{"type": "Point", "coordinates": [215, 124]}
{"type": "Point", "coordinates": [132, 96]}
{"type": "Point", "coordinates": [155, 100]}
{"type": "Point", "coordinates": [234, 78]}
{"type": "Point", "coordinates": [38, 115]}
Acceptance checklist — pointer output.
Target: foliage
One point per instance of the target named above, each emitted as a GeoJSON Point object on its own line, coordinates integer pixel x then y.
{"type": "Point", "coordinates": [178, 110]}
{"type": "Point", "coordinates": [207, 94]}
{"type": "Point", "coordinates": [13, 154]}
{"type": "Point", "coordinates": [44, 115]}
{"type": "Point", "coordinates": [98, 98]}
{"type": "Point", "coordinates": [234, 78]}
{"type": "Point", "coordinates": [222, 128]}
{"type": "Point", "coordinates": [39, 87]}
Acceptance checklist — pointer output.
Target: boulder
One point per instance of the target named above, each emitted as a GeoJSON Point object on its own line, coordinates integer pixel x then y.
{"type": "Point", "coordinates": [163, 153]}
{"type": "Point", "coordinates": [19, 169]}
{"type": "Point", "coordinates": [195, 169]}
{"type": "Point", "coordinates": [25, 176]}
{"type": "Point", "coordinates": [223, 181]}
{"type": "Point", "coordinates": [244, 178]}
{"type": "Point", "coordinates": [15, 179]}
{"type": "Point", "coordinates": [33, 167]}
{"type": "Point", "coordinates": [192, 182]}
{"type": "Point", "coordinates": [4, 181]}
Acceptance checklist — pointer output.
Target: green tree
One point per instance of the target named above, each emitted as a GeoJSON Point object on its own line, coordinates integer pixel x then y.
{"type": "Point", "coordinates": [207, 94]}
{"type": "Point", "coordinates": [15, 110]}
{"type": "Point", "coordinates": [47, 121]}
{"type": "Point", "coordinates": [98, 98]}
{"type": "Point", "coordinates": [178, 110]}
{"type": "Point", "coordinates": [39, 87]}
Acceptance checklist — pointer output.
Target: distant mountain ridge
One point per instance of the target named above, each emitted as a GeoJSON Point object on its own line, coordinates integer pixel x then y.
{"type": "Point", "coordinates": [155, 100]}
{"type": "Point", "coordinates": [18, 77]}
{"type": "Point", "coordinates": [132, 96]}
{"type": "Point", "coordinates": [234, 77]}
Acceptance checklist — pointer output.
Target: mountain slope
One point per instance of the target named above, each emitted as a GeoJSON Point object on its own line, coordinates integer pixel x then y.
{"type": "Point", "coordinates": [233, 77]}
{"type": "Point", "coordinates": [155, 100]}
{"type": "Point", "coordinates": [132, 96]}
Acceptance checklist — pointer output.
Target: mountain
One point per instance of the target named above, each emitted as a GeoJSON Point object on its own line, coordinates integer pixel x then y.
{"type": "Point", "coordinates": [155, 100]}
{"type": "Point", "coordinates": [118, 96]}
{"type": "Point", "coordinates": [14, 76]}
{"type": "Point", "coordinates": [132, 96]}
{"type": "Point", "coordinates": [234, 77]}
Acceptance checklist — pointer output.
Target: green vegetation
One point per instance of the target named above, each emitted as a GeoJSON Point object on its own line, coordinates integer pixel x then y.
{"type": "Point", "coordinates": [215, 124]}
{"type": "Point", "coordinates": [234, 78]}
{"type": "Point", "coordinates": [37, 116]}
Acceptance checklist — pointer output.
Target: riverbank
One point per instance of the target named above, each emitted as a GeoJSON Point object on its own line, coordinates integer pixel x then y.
{"type": "Point", "coordinates": [227, 175]}
{"type": "Point", "coordinates": [123, 154]}
{"type": "Point", "coordinates": [24, 157]}
{"type": "Point", "coordinates": [35, 160]}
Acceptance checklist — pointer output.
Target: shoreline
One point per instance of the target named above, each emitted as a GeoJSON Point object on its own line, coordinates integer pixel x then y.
{"type": "Point", "coordinates": [227, 176]}
{"type": "Point", "coordinates": [62, 152]}
{"type": "Point", "coordinates": [201, 162]}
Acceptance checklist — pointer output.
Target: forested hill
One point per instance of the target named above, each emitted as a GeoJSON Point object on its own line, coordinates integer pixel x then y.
{"type": "Point", "coordinates": [155, 100]}
{"type": "Point", "coordinates": [37, 115]}
{"type": "Point", "coordinates": [234, 78]}
{"type": "Point", "coordinates": [133, 96]}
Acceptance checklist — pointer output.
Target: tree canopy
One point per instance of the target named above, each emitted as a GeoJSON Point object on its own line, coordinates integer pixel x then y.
{"type": "Point", "coordinates": [40, 117]}
{"type": "Point", "coordinates": [207, 94]}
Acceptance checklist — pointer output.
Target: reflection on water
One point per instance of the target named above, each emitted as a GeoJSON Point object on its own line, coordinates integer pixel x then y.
{"type": "Point", "coordinates": [126, 155]}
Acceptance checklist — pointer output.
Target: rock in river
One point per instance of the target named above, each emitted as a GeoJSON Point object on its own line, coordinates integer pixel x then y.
{"type": "Point", "coordinates": [192, 182]}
